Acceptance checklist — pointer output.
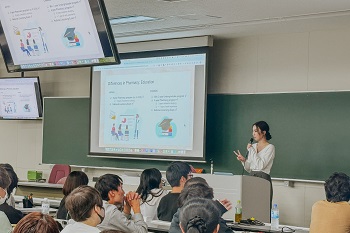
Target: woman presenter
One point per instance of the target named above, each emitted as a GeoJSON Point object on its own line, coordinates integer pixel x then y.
{"type": "Point", "coordinates": [260, 154]}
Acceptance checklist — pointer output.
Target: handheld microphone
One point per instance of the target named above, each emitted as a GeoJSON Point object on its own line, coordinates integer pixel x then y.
{"type": "Point", "coordinates": [251, 142]}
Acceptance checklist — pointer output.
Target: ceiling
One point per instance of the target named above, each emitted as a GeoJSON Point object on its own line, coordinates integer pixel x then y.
{"type": "Point", "coordinates": [225, 18]}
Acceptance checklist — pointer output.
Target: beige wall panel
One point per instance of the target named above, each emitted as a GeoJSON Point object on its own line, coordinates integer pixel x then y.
{"type": "Point", "coordinates": [234, 66]}
{"type": "Point", "coordinates": [329, 60]}
{"type": "Point", "coordinates": [282, 63]}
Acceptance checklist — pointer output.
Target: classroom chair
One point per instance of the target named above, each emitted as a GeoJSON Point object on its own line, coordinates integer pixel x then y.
{"type": "Point", "coordinates": [58, 172]}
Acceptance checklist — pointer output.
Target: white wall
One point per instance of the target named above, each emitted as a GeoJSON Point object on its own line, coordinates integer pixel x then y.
{"type": "Point", "coordinates": [315, 61]}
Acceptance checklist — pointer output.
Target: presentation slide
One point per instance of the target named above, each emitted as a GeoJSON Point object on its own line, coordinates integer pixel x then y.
{"type": "Point", "coordinates": [150, 106]}
{"type": "Point", "coordinates": [18, 98]}
{"type": "Point", "coordinates": [49, 30]}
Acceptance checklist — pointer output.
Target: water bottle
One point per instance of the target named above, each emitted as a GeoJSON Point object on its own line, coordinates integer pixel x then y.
{"type": "Point", "coordinates": [238, 213]}
{"type": "Point", "coordinates": [275, 217]}
{"type": "Point", "coordinates": [45, 206]}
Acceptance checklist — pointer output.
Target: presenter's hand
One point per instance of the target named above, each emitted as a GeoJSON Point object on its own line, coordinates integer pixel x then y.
{"type": "Point", "coordinates": [249, 145]}
{"type": "Point", "coordinates": [240, 157]}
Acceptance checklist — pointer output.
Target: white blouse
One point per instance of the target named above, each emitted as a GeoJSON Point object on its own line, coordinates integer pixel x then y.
{"type": "Point", "coordinates": [261, 161]}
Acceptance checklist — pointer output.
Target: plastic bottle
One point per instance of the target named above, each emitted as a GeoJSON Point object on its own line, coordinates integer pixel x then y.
{"type": "Point", "coordinates": [238, 213]}
{"type": "Point", "coordinates": [275, 217]}
{"type": "Point", "coordinates": [45, 206]}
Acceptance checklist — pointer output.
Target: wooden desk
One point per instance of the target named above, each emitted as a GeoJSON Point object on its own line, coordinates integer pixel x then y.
{"type": "Point", "coordinates": [43, 190]}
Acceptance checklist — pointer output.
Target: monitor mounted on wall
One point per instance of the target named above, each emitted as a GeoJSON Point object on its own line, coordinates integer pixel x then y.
{"type": "Point", "coordinates": [52, 34]}
{"type": "Point", "coordinates": [20, 98]}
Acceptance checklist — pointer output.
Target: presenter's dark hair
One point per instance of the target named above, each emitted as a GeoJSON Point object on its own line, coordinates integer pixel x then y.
{"type": "Point", "coordinates": [37, 222]}
{"type": "Point", "coordinates": [175, 171]}
{"type": "Point", "coordinates": [337, 187]}
{"type": "Point", "coordinates": [81, 201]}
{"type": "Point", "coordinates": [263, 126]}
{"type": "Point", "coordinates": [107, 183]}
{"type": "Point", "coordinates": [197, 190]}
{"type": "Point", "coordinates": [74, 180]}
{"type": "Point", "coordinates": [199, 216]}
{"type": "Point", "coordinates": [5, 179]}
{"type": "Point", "coordinates": [150, 179]}
{"type": "Point", "coordinates": [13, 176]}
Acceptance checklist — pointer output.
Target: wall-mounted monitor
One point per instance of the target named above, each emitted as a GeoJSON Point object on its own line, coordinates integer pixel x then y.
{"type": "Point", "coordinates": [52, 34]}
{"type": "Point", "coordinates": [20, 98]}
{"type": "Point", "coordinates": [152, 106]}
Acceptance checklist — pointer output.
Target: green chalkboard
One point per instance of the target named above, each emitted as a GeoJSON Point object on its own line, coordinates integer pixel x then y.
{"type": "Point", "coordinates": [308, 130]}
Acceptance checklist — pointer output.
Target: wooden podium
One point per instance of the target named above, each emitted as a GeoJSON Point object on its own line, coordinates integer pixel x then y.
{"type": "Point", "coordinates": [253, 192]}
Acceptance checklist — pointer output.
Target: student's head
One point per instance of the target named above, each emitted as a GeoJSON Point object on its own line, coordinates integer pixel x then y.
{"type": "Point", "coordinates": [196, 190]}
{"type": "Point", "coordinates": [37, 222]}
{"type": "Point", "coordinates": [13, 177]}
{"type": "Point", "coordinates": [199, 216]}
{"type": "Point", "coordinates": [177, 173]}
{"type": "Point", "coordinates": [74, 179]}
{"type": "Point", "coordinates": [196, 180]}
{"type": "Point", "coordinates": [150, 179]}
{"type": "Point", "coordinates": [261, 130]}
{"type": "Point", "coordinates": [337, 187]}
{"type": "Point", "coordinates": [110, 187]}
{"type": "Point", "coordinates": [5, 182]}
{"type": "Point", "coordinates": [85, 203]}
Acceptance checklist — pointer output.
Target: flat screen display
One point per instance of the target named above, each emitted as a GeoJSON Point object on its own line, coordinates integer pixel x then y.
{"type": "Point", "coordinates": [20, 98]}
{"type": "Point", "coordinates": [151, 106]}
{"type": "Point", "coordinates": [51, 34]}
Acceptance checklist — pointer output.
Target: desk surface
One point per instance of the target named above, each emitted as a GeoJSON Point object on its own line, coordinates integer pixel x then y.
{"type": "Point", "coordinates": [37, 201]}
{"type": "Point", "coordinates": [38, 184]}
{"type": "Point", "coordinates": [266, 228]}
{"type": "Point", "coordinates": [163, 227]}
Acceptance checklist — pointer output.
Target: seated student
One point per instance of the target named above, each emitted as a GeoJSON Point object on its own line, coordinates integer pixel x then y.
{"type": "Point", "coordinates": [85, 206]}
{"type": "Point", "coordinates": [333, 214]}
{"type": "Point", "coordinates": [14, 183]}
{"type": "Point", "coordinates": [151, 192]}
{"type": "Point", "coordinates": [5, 225]}
{"type": "Point", "coordinates": [8, 207]}
{"type": "Point", "coordinates": [177, 174]}
{"type": "Point", "coordinates": [111, 189]}
{"type": "Point", "coordinates": [37, 222]}
{"type": "Point", "coordinates": [199, 215]}
{"type": "Point", "coordinates": [199, 189]}
{"type": "Point", "coordinates": [74, 180]}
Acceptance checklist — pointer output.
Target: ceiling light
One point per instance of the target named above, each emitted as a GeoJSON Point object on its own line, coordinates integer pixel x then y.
{"type": "Point", "coordinates": [131, 19]}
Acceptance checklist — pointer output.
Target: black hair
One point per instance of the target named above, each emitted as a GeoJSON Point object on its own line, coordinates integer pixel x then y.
{"type": "Point", "coordinates": [263, 126]}
{"type": "Point", "coordinates": [175, 171]}
{"type": "Point", "coordinates": [195, 190]}
{"type": "Point", "coordinates": [195, 180]}
{"type": "Point", "coordinates": [5, 179]}
{"type": "Point", "coordinates": [337, 187]}
{"type": "Point", "coordinates": [74, 179]}
{"type": "Point", "coordinates": [149, 179]}
{"type": "Point", "coordinates": [13, 176]}
{"type": "Point", "coordinates": [199, 215]}
{"type": "Point", "coordinates": [107, 183]}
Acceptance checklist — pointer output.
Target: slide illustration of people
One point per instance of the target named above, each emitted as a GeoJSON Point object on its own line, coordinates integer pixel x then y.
{"type": "Point", "coordinates": [126, 135]}
{"type": "Point", "coordinates": [120, 133]}
{"type": "Point", "coordinates": [23, 48]}
{"type": "Point", "coordinates": [114, 134]}
{"type": "Point", "coordinates": [137, 121]}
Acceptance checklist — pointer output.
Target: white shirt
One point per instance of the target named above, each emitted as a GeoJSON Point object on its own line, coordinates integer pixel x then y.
{"type": "Point", "coordinates": [77, 227]}
{"type": "Point", "coordinates": [149, 208]}
{"type": "Point", "coordinates": [261, 161]}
